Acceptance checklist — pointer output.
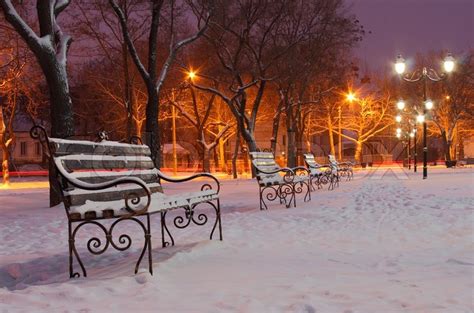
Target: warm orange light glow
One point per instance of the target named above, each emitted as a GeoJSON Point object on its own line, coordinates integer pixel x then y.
{"type": "Point", "coordinates": [350, 96]}
{"type": "Point", "coordinates": [25, 185]}
{"type": "Point", "coordinates": [191, 74]}
{"type": "Point", "coordinates": [448, 97]}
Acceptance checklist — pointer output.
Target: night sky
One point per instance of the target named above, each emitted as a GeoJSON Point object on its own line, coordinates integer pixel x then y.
{"type": "Point", "coordinates": [411, 26]}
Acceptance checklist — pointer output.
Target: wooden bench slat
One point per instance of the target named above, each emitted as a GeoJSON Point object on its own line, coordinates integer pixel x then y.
{"type": "Point", "coordinates": [67, 147]}
{"type": "Point", "coordinates": [78, 196]}
{"type": "Point", "coordinates": [106, 162]}
{"type": "Point", "coordinates": [100, 176]}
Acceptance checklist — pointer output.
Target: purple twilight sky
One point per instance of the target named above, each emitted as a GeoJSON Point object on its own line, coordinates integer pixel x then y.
{"type": "Point", "coordinates": [411, 26]}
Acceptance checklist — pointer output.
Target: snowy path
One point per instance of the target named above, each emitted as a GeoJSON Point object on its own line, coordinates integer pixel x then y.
{"type": "Point", "coordinates": [381, 243]}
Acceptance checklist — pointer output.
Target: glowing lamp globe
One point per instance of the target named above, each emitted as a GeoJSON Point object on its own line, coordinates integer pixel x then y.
{"type": "Point", "coordinates": [191, 75]}
{"type": "Point", "coordinates": [400, 65]}
{"type": "Point", "coordinates": [398, 118]}
{"type": "Point", "coordinates": [429, 105]}
{"type": "Point", "coordinates": [401, 105]}
{"type": "Point", "coordinates": [449, 63]}
{"type": "Point", "coordinates": [420, 118]}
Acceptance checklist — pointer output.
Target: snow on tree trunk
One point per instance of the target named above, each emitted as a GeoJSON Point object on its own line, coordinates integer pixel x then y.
{"type": "Point", "coordinates": [62, 119]}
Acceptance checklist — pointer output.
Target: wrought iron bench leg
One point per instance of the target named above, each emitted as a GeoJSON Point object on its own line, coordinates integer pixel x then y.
{"type": "Point", "coordinates": [218, 222]}
{"type": "Point", "coordinates": [312, 181]}
{"type": "Point", "coordinates": [164, 228]}
{"type": "Point", "coordinates": [307, 196]}
{"type": "Point", "coordinates": [73, 253]}
{"type": "Point", "coordinates": [263, 205]}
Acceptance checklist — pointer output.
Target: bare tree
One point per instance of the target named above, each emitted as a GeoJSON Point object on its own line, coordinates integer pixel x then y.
{"type": "Point", "coordinates": [366, 118]}
{"type": "Point", "coordinates": [201, 113]}
{"type": "Point", "coordinates": [98, 22]}
{"type": "Point", "coordinates": [50, 48]}
{"type": "Point", "coordinates": [452, 117]}
{"type": "Point", "coordinates": [153, 79]}
{"type": "Point", "coordinates": [11, 72]}
{"type": "Point", "coordinates": [241, 38]}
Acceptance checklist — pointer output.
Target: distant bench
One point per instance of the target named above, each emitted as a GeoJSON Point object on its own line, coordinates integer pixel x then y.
{"type": "Point", "coordinates": [115, 181]}
{"type": "Point", "coordinates": [277, 182]}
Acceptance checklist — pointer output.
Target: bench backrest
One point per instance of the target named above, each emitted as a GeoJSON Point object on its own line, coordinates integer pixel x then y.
{"type": "Point", "coordinates": [98, 162]}
{"type": "Point", "coordinates": [311, 163]}
{"type": "Point", "coordinates": [333, 162]}
{"type": "Point", "coordinates": [310, 160]}
{"type": "Point", "coordinates": [264, 161]}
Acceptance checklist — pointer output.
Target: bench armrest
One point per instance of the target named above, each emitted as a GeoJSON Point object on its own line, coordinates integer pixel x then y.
{"type": "Point", "coordinates": [318, 166]}
{"type": "Point", "coordinates": [131, 199]}
{"type": "Point", "coordinates": [346, 163]}
{"type": "Point", "coordinates": [289, 173]}
{"type": "Point", "coordinates": [192, 177]}
{"type": "Point", "coordinates": [302, 169]}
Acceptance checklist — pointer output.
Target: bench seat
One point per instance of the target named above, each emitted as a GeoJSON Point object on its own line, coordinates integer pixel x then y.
{"type": "Point", "coordinates": [280, 180]}
{"type": "Point", "coordinates": [159, 202]}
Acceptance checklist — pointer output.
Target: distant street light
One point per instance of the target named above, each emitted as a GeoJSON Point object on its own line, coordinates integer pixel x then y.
{"type": "Point", "coordinates": [429, 105]}
{"type": "Point", "coordinates": [400, 104]}
{"type": "Point", "coordinates": [350, 97]}
{"type": "Point", "coordinates": [420, 118]}
{"type": "Point", "coordinates": [424, 75]}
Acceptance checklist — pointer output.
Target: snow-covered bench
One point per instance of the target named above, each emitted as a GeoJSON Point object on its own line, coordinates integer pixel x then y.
{"type": "Point", "coordinates": [320, 174]}
{"type": "Point", "coordinates": [104, 183]}
{"type": "Point", "coordinates": [344, 169]}
{"type": "Point", "coordinates": [277, 182]}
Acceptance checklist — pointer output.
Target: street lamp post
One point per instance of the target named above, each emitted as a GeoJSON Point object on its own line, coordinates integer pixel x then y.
{"type": "Point", "coordinates": [410, 133]}
{"type": "Point", "coordinates": [424, 75]}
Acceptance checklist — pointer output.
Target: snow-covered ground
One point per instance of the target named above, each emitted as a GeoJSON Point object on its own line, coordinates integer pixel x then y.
{"type": "Point", "coordinates": [386, 242]}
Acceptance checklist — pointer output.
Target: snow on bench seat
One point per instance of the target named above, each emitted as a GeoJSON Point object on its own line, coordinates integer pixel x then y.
{"type": "Point", "coordinates": [159, 202]}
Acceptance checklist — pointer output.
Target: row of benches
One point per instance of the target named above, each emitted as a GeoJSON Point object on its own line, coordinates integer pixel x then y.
{"type": "Point", "coordinates": [106, 183]}
{"type": "Point", "coordinates": [285, 183]}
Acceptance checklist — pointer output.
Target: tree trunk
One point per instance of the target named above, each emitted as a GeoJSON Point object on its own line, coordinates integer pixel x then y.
{"type": "Point", "coordinates": [235, 155]}
{"type": "Point", "coordinates": [275, 128]}
{"type": "Point", "coordinates": [61, 114]}
{"type": "Point", "coordinates": [62, 119]}
{"type": "Point", "coordinates": [151, 125]}
{"type": "Point", "coordinates": [446, 146]}
{"type": "Point", "coordinates": [291, 151]}
{"type": "Point", "coordinates": [128, 93]}
{"type": "Point", "coordinates": [221, 150]}
{"type": "Point", "coordinates": [358, 152]}
{"type": "Point", "coordinates": [206, 160]}
{"type": "Point", "coordinates": [5, 171]}
{"type": "Point", "coordinates": [299, 148]}
{"type": "Point", "coordinates": [331, 135]}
